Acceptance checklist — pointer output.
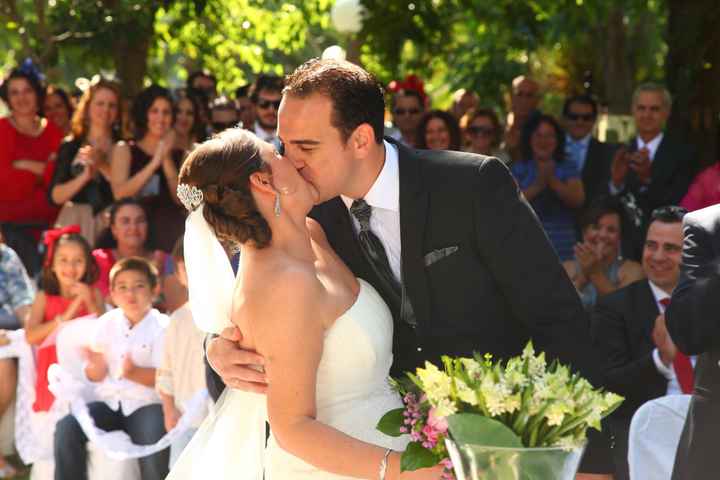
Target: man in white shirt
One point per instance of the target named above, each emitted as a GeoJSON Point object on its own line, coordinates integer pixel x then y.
{"type": "Point", "coordinates": [265, 94]}
{"type": "Point", "coordinates": [641, 361]}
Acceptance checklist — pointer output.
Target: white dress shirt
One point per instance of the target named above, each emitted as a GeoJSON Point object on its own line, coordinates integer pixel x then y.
{"type": "Point", "coordinates": [269, 136]}
{"type": "Point", "coordinates": [384, 198]}
{"type": "Point", "coordinates": [673, 387]}
{"type": "Point", "coordinates": [117, 337]}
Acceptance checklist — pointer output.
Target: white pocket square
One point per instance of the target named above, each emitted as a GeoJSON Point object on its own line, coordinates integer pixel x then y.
{"type": "Point", "coordinates": [439, 254]}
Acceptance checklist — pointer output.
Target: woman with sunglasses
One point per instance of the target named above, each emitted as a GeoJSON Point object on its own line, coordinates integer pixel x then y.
{"type": "Point", "coordinates": [147, 167]}
{"type": "Point", "coordinates": [483, 134]}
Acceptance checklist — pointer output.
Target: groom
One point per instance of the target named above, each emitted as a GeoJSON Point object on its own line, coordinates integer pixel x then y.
{"type": "Point", "coordinates": [445, 237]}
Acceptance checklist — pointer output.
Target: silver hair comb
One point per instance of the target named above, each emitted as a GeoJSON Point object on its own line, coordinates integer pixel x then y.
{"type": "Point", "coordinates": [190, 196]}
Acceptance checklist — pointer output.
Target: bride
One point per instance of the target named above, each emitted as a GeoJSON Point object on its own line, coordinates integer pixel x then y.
{"type": "Point", "coordinates": [325, 335]}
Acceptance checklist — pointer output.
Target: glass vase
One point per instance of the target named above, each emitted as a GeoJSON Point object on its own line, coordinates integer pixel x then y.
{"type": "Point", "coordinates": [481, 462]}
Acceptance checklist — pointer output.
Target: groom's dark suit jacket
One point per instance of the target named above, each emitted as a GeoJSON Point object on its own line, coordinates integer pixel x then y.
{"type": "Point", "coordinates": [477, 266]}
{"type": "Point", "coordinates": [693, 320]}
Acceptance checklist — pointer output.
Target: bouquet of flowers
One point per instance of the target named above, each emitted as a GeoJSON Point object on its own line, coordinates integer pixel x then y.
{"type": "Point", "coordinates": [520, 403]}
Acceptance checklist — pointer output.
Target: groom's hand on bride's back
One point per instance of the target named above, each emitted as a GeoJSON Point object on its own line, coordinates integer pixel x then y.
{"type": "Point", "coordinates": [236, 367]}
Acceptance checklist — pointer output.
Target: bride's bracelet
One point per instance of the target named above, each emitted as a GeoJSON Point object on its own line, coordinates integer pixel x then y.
{"type": "Point", "coordinates": [384, 464]}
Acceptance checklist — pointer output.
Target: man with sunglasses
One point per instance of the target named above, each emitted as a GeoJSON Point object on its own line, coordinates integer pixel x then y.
{"type": "Point", "coordinates": [265, 94]}
{"type": "Point", "coordinates": [592, 156]}
{"type": "Point", "coordinates": [407, 109]}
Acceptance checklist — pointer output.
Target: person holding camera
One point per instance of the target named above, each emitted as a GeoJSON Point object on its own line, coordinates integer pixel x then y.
{"type": "Point", "coordinates": [81, 183]}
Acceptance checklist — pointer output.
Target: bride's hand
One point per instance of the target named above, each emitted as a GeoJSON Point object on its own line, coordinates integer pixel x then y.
{"type": "Point", "coordinates": [237, 367]}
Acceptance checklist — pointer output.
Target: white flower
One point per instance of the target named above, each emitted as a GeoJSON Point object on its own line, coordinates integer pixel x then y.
{"type": "Point", "coordinates": [472, 366]}
{"type": "Point", "coordinates": [445, 408]}
{"type": "Point", "coordinates": [555, 414]}
{"type": "Point", "coordinates": [495, 395]}
{"type": "Point", "coordinates": [465, 393]}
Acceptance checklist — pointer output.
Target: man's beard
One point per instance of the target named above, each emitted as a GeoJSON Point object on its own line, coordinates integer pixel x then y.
{"type": "Point", "coordinates": [267, 127]}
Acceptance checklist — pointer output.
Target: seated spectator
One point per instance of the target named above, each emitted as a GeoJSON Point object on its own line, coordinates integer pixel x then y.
{"type": "Point", "coordinates": [205, 82]}
{"type": "Point", "coordinates": [129, 235]}
{"type": "Point", "coordinates": [703, 191]}
{"type": "Point", "coordinates": [550, 181]}
{"type": "Point", "coordinates": [245, 107]}
{"type": "Point", "coordinates": [182, 372]}
{"type": "Point", "coordinates": [81, 184]}
{"type": "Point", "coordinates": [28, 145]}
{"type": "Point", "coordinates": [640, 359]}
{"type": "Point", "coordinates": [525, 98]}
{"type": "Point", "coordinates": [16, 297]}
{"type": "Point", "coordinates": [67, 293]}
{"type": "Point", "coordinates": [148, 166]}
{"type": "Point", "coordinates": [482, 131]}
{"type": "Point", "coordinates": [265, 94]}
{"type": "Point", "coordinates": [598, 267]}
{"type": "Point", "coordinates": [438, 130]}
{"type": "Point", "coordinates": [463, 102]}
{"type": "Point", "coordinates": [124, 356]}
{"type": "Point", "coordinates": [223, 115]}
{"type": "Point", "coordinates": [58, 108]}
{"type": "Point", "coordinates": [189, 127]}
{"type": "Point", "coordinates": [407, 107]}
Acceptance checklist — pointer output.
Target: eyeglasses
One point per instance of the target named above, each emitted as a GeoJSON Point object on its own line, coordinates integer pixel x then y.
{"type": "Point", "coordinates": [268, 103]}
{"type": "Point", "coordinates": [406, 111]}
{"type": "Point", "coordinates": [478, 130]}
{"type": "Point", "coordinates": [585, 117]}
{"type": "Point", "coordinates": [668, 212]}
{"type": "Point", "coordinates": [220, 126]}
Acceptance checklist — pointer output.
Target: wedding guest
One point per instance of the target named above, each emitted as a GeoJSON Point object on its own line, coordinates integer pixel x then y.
{"type": "Point", "coordinates": [81, 183]}
{"type": "Point", "coordinates": [28, 145]}
{"type": "Point", "coordinates": [655, 167]}
{"type": "Point", "coordinates": [223, 115]}
{"type": "Point", "coordinates": [265, 94]}
{"type": "Point", "coordinates": [181, 373]}
{"type": "Point", "coordinates": [129, 235]}
{"type": "Point", "coordinates": [125, 353]}
{"type": "Point", "coordinates": [703, 191]}
{"type": "Point", "coordinates": [592, 156]}
{"type": "Point", "coordinates": [245, 107]}
{"type": "Point", "coordinates": [67, 293]}
{"type": "Point", "coordinates": [438, 130]}
{"type": "Point", "coordinates": [598, 267]}
{"type": "Point", "coordinates": [205, 82]}
{"type": "Point", "coordinates": [16, 298]}
{"type": "Point", "coordinates": [524, 102]}
{"type": "Point", "coordinates": [189, 127]}
{"type": "Point", "coordinates": [483, 132]}
{"type": "Point", "coordinates": [641, 361]}
{"type": "Point", "coordinates": [407, 107]}
{"type": "Point", "coordinates": [147, 167]}
{"type": "Point", "coordinates": [58, 108]}
{"type": "Point", "coordinates": [550, 181]}
{"type": "Point", "coordinates": [463, 102]}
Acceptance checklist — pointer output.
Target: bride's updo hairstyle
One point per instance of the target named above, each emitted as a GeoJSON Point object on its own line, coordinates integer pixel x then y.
{"type": "Point", "coordinates": [221, 169]}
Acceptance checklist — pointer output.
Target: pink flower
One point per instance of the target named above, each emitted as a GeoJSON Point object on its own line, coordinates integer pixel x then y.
{"type": "Point", "coordinates": [437, 423]}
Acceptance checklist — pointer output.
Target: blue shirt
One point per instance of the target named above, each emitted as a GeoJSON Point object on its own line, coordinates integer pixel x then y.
{"type": "Point", "coordinates": [557, 219]}
{"type": "Point", "coordinates": [576, 150]}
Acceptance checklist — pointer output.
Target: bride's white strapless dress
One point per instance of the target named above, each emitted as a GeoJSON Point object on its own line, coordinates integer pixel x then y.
{"type": "Point", "coordinates": [352, 395]}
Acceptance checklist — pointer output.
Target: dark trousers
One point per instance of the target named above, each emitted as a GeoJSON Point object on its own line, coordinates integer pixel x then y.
{"type": "Point", "coordinates": [144, 426]}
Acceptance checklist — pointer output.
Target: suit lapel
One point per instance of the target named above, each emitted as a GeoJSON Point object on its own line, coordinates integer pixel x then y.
{"type": "Point", "coordinates": [647, 309]}
{"type": "Point", "coordinates": [414, 200]}
{"type": "Point", "coordinates": [662, 164]}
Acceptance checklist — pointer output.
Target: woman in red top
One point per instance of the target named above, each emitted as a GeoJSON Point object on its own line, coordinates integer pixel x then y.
{"type": "Point", "coordinates": [28, 144]}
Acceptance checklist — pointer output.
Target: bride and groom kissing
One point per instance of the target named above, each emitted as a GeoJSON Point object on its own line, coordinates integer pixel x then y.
{"type": "Point", "coordinates": [406, 256]}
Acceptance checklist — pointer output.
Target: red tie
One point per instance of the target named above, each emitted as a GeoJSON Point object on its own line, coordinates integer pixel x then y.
{"type": "Point", "coordinates": [682, 366]}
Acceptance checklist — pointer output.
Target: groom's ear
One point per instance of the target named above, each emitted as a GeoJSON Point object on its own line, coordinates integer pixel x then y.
{"type": "Point", "coordinates": [362, 139]}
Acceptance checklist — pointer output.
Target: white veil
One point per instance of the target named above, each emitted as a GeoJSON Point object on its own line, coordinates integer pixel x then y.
{"type": "Point", "coordinates": [231, 441]}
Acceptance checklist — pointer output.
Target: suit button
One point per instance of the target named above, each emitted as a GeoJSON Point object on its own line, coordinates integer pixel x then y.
{"type": "Point", "coordinates": [419, 349]}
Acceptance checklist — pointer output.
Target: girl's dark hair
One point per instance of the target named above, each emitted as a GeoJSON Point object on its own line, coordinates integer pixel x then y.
{"type": "Point", "coordinates": [529, 129]}
{"type": "Point", "coordinates": [60, 92]}
{"type": "Point", "coordinates": [199, 129]}
{"type": "Point", "coordinates": [106, 239]}
{"type": "Point", "coordinates": [81, 117]}
{"type": "Point", "coordinates": [450, 122]}
{"type": "Point", "coordinates": [221, 168]}
{"type": "Point", "coordinates": [49, 281]}
{"type": "Point", "coordinates": [142, 105]}
{"type": "Point", "coordinates": [34, 82]}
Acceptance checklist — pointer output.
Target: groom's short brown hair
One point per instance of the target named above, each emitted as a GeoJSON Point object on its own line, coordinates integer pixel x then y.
{"type": "Point", "coordinates": [356, 95]}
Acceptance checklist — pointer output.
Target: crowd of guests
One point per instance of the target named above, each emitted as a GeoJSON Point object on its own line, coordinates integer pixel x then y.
{"type": "Point", "coordinates": [92, 226]}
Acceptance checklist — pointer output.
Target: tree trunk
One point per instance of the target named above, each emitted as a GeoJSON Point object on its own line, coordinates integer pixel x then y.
{"type": "Point", "coordinates": [618, 71]}
{"type": "Point", "coordinates": [693, 73]}
{"type": "Point", "coordinates": [130, 56]}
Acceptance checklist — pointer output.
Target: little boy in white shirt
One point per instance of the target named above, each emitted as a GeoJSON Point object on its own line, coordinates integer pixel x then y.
{"type": "Point", "coordinates": [123, 359]}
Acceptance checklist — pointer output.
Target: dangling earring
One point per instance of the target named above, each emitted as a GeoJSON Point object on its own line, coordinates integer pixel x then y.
{"type": "Point", "coordinates": [277, 204]}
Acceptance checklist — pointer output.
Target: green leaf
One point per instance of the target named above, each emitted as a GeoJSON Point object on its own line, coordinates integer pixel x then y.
{"type": "Point", "coordinates": [416, 456]}
{"type": "Point", "coordinates": [480, 430]}
{"type": "Point", "coordinates": [391, 422]}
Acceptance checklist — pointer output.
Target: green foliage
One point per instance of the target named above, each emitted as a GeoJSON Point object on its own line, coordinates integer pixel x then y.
{"type": "Point", "coordinates": [416, 457]}
{"type": "Point", "coordinates": [471, 428]}
{"type": "Point", "coordinates": [391, 422]}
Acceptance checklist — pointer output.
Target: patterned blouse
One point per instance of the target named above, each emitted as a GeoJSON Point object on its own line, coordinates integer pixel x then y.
{"type": "Point", "coordinates": [16, 288]}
